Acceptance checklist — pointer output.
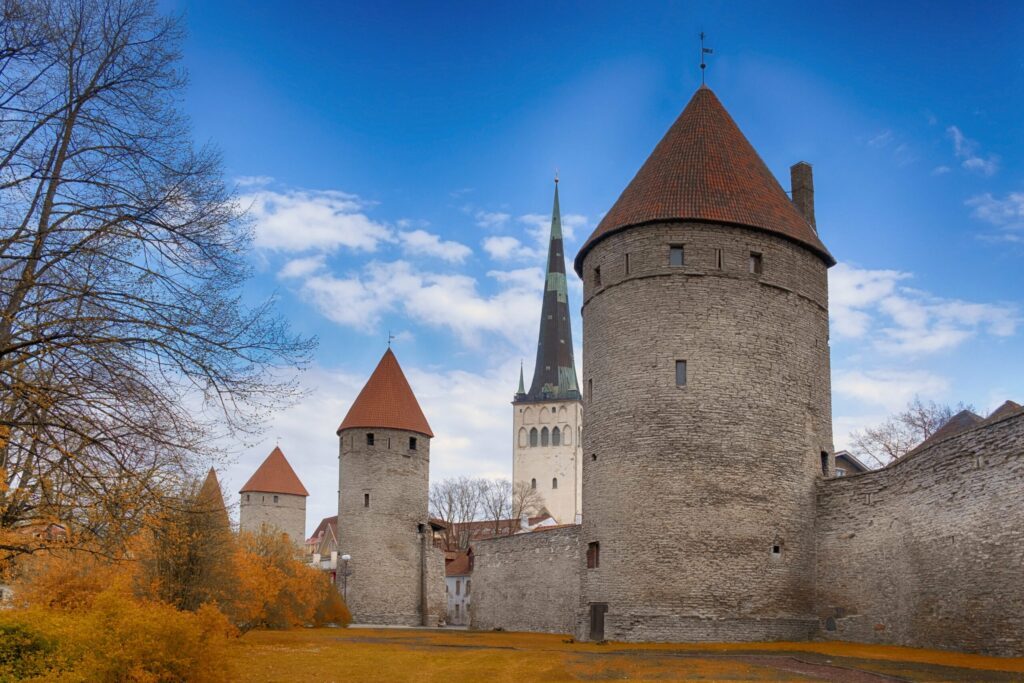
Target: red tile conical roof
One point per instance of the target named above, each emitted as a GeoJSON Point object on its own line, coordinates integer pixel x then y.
{"type": "Point", "coordinates": [387, 401]}
{"type": "Point", "coordinates": [705, 169]}
{"type": "Point", "coordinates": [275, 475]}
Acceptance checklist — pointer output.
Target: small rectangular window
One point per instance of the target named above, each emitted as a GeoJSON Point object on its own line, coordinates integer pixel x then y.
{"type": "Point", "coordinates": [369, 439]}
{"type": "Point", "coordinates": [458, 586]}
{"type": "Point", "coordinates": [467, 585]}
{"type": "Point", "coordinates": [680, 373]}
{"type": "Point", "coordinates": [718, 259]}
{"type": "Point", "coordinates": [675, 255]}
{"type": "Point", "coordinates": [590, 390]}
{"type": "Point", "coordinates": [627, 264]}
{"type": "Point", "coordinates": [366, 500]}
{"type": "Point", "coordinates": [275, 499]}
{"type": "Point", "coordinates": [597, 276]}
{"type": "Point", "coordinates": [756, 264]}
{"type": "Point", "coordinates": [412, 443]}
{"type": "Point", "coordinates": [593, 555]}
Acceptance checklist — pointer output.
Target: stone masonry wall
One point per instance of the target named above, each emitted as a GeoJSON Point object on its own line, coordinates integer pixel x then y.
{"type": "Point", "coordinates": [929, 552]}
{"type": "Point", "coordinates": [527, 582]}
{"type": "Point", "coordinates": [384, 538]}
{"type": "Point", "coordinates": [288, 514]}
{"type": "Point", "coordinates": [674, 487]}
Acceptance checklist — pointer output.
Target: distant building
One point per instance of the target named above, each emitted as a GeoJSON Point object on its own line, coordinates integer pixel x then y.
{"type": "Point", "coordinates": [458, 574]}
{"type": "Point", "coordinates": [274, 498]}
{"type": "Point", "coordinates": [847, 463]}
{"type": "Point", "coordinates": [322, 546]}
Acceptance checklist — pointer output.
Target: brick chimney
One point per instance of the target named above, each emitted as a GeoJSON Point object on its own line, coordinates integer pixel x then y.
{"type": "Point", "coordinates": [801, 178]}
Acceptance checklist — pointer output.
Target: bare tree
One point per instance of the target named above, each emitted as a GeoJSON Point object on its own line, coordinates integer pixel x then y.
{"type": "Point", "coordinates": [457, 502]}
{"type": "Point", "coordinates": [902, 432]}
{"type": "Point", "coordinates": [497, 502]}
{"type": "Point", "coordinates": [126, 350]}
{"type": "Point", "coordinates": [526, 500]}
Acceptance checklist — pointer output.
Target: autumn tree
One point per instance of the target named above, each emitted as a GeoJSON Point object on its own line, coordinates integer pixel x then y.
{"type": "Point", "coordinates": [902, 432]}
{"type": "Point", "coordinates": [497, 502]}
{"type": "Point", "coordinates": [456, 502]}
{"type": "Point", "coordinates": [526, 500]}
{"type": "Point", "coordinates": [125, 347]}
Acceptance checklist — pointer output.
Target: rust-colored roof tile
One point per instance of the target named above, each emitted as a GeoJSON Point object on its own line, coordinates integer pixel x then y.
{"type": "Point", "coordinates": [1007, 409]}
{"type": "Point", "coordinates": [387, 401]}
{"type": "Point", "coordinates": [275, 475]}
{"type": "Point", "coordinates": [705, 169]}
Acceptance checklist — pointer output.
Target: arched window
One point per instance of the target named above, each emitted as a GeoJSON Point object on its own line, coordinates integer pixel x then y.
{"type": "Point", "coordinates": [554, 483]}
{"type": "Point", "coordinates": [533, 437]}
{"type": "Point", "coordinates": [544, 437]}
{"type": "Point", "coordinates": [528, 415]}
{"type": "Point", "coordinates": [556, 437]}
{"type": "Point", "coordinates": [522, 437]}
{"type": "Point", "coordinates": [567, 435]}
{"type": "Point", "coordinates": [533, 483]}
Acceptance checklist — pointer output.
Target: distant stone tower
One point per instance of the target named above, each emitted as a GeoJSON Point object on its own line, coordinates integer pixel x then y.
{"type": "Point", "coordinates": [547, 420]}
{"type": "Point", "coordinates": [396, 575]}
{"type": "Point", "coordinates": [274, 498]}
{"type": "Point", "coordinates": [707, 395]}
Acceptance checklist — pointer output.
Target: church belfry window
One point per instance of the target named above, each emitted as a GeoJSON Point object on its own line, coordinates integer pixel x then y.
{"type": "Point", "coordinates": [556, 437]}
{"type": "Point", "coordinates": [533, 437]}
{"type": "Point", "coordinates": [544, 437]}
{"type": "Point", "coordinates": [676, 255]}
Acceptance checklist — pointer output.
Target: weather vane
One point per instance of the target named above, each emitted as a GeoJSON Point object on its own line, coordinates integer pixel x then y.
{"type": "Point", "coordinates": [391, 338]}
{"type": "Point", "coordinates": [556, 176]}
{"type": "Point", "coordinates": [703, 51]}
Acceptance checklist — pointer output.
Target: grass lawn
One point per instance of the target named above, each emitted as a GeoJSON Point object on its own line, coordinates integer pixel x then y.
{"type": "Point", "coordinates": [420, 655]}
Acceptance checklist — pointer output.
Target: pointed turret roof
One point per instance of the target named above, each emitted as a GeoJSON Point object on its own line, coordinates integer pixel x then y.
{"type": "Point", "coordinates": [211, 499]}
{"type": "Point", "coordinates": [521, 391]}
{"type": "Point", "coordinates": [1008, 408]}
{"type": "Point", "coordinates": [554, 374]}
{"type": "Point", "coordinates": [387, 401]}
{"type": "Point", "coordinates": [275, 475]}
{"type": "Point", "coordinates": [704, 169]}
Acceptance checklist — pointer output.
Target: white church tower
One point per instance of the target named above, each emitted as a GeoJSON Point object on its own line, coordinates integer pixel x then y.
{"type": "Point", "coordinates": [547, 419]}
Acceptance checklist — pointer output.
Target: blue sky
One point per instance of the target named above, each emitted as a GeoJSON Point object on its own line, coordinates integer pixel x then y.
{"type": "Point", "coordinates": [398, 159]}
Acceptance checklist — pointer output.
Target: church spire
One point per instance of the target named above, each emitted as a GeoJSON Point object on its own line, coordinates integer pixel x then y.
{"type": "Point", "coordinates": [521, 391]}
{"type": "Point", "coordinates": [554, 375]}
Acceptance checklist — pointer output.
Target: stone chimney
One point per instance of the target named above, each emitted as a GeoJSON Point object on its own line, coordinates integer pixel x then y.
{"type": "Point", "coordinates": [801, 178]}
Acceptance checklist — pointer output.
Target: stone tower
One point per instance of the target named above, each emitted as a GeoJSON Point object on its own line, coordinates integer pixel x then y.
{"type": "Point", "coordinates": [275, 498]}
{"type": "Point", "coordinates": [547, 420]}
{"type": "Point", "coordinates": [707, 395]}
{"type": "Point", "coordinates": [396, 576]}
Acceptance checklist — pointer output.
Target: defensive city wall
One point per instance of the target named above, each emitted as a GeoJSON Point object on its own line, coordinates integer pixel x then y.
{"type": "Point", "coordinates": [929, 552]}
{"type": "Point", "coordinates": [527, 582]}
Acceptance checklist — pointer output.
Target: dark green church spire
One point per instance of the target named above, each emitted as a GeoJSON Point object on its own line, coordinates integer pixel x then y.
{"type": "Point", "coordinates": [554, 375]}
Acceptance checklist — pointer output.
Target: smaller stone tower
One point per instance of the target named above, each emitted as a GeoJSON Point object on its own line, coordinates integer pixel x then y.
{"type": "Point", "coordinates": [274, 498]}
{"type": "Point", "coordinates": [395, 575]}
{"type": "Point", "coordinates": [547, 420]}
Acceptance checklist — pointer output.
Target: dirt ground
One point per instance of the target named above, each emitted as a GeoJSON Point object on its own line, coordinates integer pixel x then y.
{"type": "Point", "coordinates": [363, 654]}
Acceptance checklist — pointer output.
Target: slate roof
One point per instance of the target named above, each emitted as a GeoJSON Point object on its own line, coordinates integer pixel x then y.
{"type": "Point", "coordinates": [704, 169]}
{"type": "Point", "coordinates": [387, 401]}
{"type": "Point", "coordinates": [275, 475]}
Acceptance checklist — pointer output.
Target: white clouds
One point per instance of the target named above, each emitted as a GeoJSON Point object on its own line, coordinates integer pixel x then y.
{"type": "Point", "coordinates": [443, 301]}
{"type": "Point", "coordinates": [1006, 213]}
{"type": "Point", "coordinates": [881, 140]}
{"type": "Point", "coordinates": [505, 248]}
{"type": "Point", "coordinates": [423, 243]}
{"type": "Point", "coordinates": [253, 180]}
{"type": "Point", "coordinates": [891, 389]}
{"type": "Point", "coordinates": [301, 267]}
{"type": "Point", "coordinates": [300, 220]}
{"type": "Point", "coordinates": [491, 220]}
{"type": "Point", "coordinates": [871, 305]}
{"type": "Point", "coordinates": [941, 170]}
{"type": "Point", "coordinates": [966, 150]}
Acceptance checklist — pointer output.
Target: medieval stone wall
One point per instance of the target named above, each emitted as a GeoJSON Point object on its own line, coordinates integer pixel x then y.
{"type": "Point", "coordinates": [929, 552]}
{"type": "Point", "coordinates": [685, 520]}
{"type": "Point", "coordinates": [288, 514]}
{"type": "Point", "coordinates": [384, 536]}
{"type": "Point", "coordinates": [527, 582]}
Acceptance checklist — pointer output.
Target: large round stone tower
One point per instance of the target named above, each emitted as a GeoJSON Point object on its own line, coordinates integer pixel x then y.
{"type": "Point", "coordinates": [274, 498]}
{"type": "Point", "coordinates": [706, 395]}
{"type": "Point", "coordinates": [395, 575]}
